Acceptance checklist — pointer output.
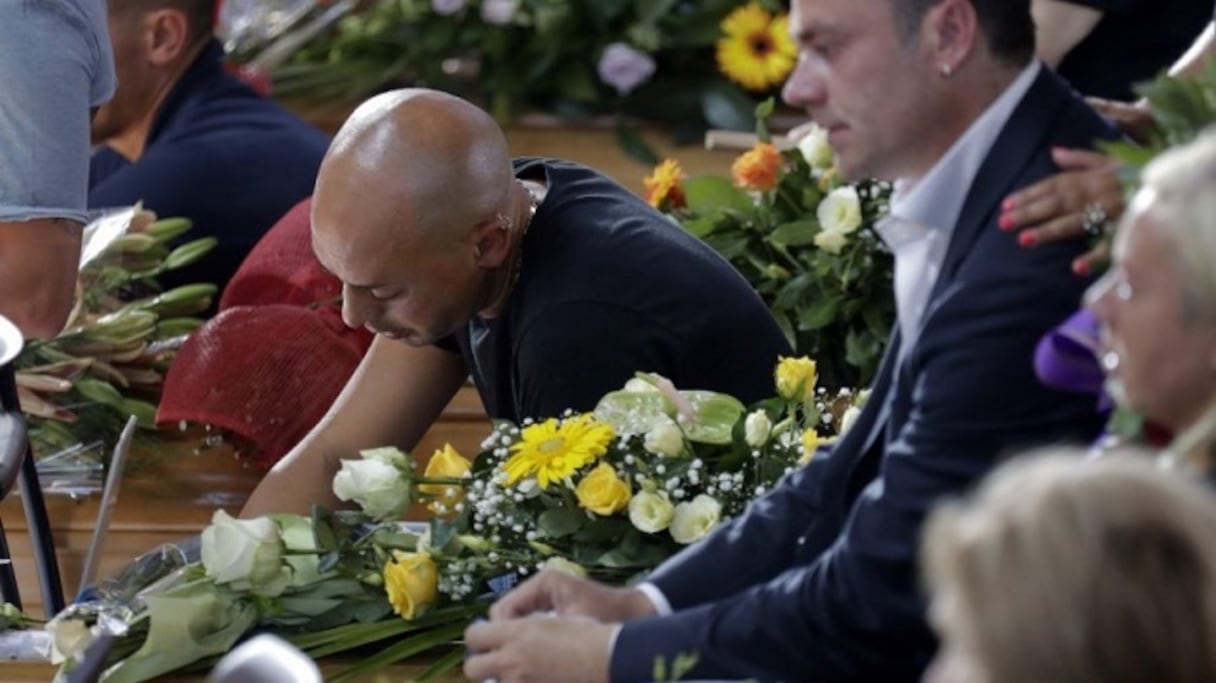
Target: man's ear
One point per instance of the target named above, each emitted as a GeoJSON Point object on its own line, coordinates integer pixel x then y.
{"type": "Point", "coordinates": [167, 36]}
{"type": "Point", "coordinates": [491, 241]}
{"type": "Point", "coordinates": [952, 31]}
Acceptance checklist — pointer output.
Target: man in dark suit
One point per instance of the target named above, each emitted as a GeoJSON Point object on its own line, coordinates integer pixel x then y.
{"type": "Point", "coordinates": [818, 581]}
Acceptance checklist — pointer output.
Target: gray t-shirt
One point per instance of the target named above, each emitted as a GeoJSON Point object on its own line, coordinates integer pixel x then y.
{"type": "Point", "coordinates": [56, 64]}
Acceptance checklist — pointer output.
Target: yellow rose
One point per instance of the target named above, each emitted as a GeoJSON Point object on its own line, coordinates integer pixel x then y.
{"type": "Point", "coordinates": [810, 444]}
{"type": "Point", "coordinates": [412, 583]}
{"type": "Point", "coordinates": [447, 462]}
{"type": "Point", "coordinates": [796, 378]}
{"type": "Point", "coordinates": [602, 492]}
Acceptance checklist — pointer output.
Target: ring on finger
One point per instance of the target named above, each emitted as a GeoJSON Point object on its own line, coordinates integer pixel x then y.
{"type": "Point", "coordinates": [1094, 220]}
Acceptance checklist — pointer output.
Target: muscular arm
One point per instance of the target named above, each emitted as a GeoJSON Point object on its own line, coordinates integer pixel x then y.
{"type": "Point", "coordinates": [38, 263]}
{"type": "Point", "coordinates": [1060, 26]}
{"type": "Point", "coordinates": [392, 399]}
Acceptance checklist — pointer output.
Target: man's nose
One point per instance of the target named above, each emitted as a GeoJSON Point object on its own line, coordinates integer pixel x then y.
{"type": "Point", "coordinates": [356, 308]}
{"type": "Point", "coordinates": [804, 89]}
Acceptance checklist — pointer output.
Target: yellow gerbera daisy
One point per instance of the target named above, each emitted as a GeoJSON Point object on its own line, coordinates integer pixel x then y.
{"type": "Point", "coordinates": [554, 450]}
{"type": "Point", "coordinates": [757, 51]}
{"type": "Point", "coordinates": [664, 186]}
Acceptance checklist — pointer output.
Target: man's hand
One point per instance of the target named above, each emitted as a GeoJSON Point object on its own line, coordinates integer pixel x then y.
{"type": "Point", "coordinates": [567, 595]}
{"type": "Point", "coordinates": [539, 648]}
{"type": "Point", "coordinates": [1054, 208]}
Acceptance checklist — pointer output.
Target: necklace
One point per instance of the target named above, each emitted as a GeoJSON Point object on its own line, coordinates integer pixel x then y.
{"type": "Point", "coordinates": [517, 266]}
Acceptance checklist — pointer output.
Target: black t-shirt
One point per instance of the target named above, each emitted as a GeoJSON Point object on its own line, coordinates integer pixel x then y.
{"type": "Point", "coordinates": [609, 287]}
{"type": "Point", "coordinates": [1134, 41]}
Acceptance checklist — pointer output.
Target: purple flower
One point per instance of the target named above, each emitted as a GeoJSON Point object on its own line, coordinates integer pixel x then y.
{"type": "Point", "coordinates": [624, 67]}
{"type": "Point", "coordinates": [447, 7]}
{"type": "Point", "coordinates": [500, 12]}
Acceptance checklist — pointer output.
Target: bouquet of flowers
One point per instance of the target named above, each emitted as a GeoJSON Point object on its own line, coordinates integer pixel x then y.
{"type": "Point", "coordinates": [78, 388]}
{"type": "Point", "coordinates": [610, 494]}
{"type": "Point", "coordinates": [689, 64]}
{"type": "Point", "coordinates": [803, 238]}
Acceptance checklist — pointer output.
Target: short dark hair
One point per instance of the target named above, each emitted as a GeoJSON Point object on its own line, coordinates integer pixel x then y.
{"type": "Point", "coordinates": [1006, 24]}
{"type": "Point", "coordinates": [200, 14]}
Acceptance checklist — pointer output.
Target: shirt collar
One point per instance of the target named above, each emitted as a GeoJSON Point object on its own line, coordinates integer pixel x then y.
{"type": "Point", "coordinates": [935, 201]}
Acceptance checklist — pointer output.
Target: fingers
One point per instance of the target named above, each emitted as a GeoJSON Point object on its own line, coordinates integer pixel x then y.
{"type": "Point", "coordinates": [534, 595]}
{"type": "Point", "coordinates": [1063, 227]}
{"type": "Point", "coordinates": [1081, 159]}
{"type": "Point", "coordinates": [1093, 261]}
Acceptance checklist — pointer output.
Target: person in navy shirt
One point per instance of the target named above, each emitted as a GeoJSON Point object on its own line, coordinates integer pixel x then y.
{"type": "Point", "coordinates": [189, 139]}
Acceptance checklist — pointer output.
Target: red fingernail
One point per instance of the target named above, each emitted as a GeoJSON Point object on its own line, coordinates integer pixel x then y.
{"type": "Point", "coordinates": [1006, 222]}
{"type": "Point", "coordinates": [1080, 268]}
{"type": "Point", "coordinates": [1028, 239]}
{"type": "Point", "coordinates": [1008, 204]}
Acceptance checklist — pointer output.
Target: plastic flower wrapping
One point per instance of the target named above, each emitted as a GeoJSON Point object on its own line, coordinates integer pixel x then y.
{"type": "Point", "coordinates": [608, 494]}
{"type": "Point", "coordinates": [803, 238]}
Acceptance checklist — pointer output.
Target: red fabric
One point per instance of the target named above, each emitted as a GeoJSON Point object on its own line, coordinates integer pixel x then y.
{"type": "Point", "coordinates": [269, 365]}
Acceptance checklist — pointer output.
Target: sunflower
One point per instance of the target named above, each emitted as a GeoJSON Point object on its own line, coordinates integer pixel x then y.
{"type": "Point", "coordinates": [553, 450]}
{"type": "Point", "coordinates": [757, 51]}
{"type": "Point", "coordinates": [758, 168]}
{"type": "Point", "coordinates": [664, 186]}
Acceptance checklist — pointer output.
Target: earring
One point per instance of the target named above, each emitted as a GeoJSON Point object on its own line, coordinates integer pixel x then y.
{"type": "Point", "coordinates": [947, 70]}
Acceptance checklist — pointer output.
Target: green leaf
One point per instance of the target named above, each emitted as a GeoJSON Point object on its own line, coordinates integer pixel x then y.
{"type": "Point", "coordinates": [707, 194]}
{"type": "Point", "coordinates": [561, 521]}
{"type": "Point", "coordinates": [819, 314]}
{"type": "Point", "coordinates": [795, 234]}
{"type": "Point", "coordinates": [726, 106]}
{"type": "Point", "coordinates": [633, 144]}
{"type": "Point", "coordinates": [442, 666]}
{"type": "Point", "coordinates": [403, 650]}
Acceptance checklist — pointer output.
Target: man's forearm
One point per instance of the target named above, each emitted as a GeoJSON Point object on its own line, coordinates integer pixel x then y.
{"type": "Point", "coordinates": [39, 260]}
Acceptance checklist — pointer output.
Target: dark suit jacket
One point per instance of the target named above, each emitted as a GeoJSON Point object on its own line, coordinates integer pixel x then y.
{"type": "Point", "coordinates": [817, 581]}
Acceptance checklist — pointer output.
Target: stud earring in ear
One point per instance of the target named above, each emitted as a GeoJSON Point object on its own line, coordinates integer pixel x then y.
{"type": "Point", "coordinates": [947, 70]}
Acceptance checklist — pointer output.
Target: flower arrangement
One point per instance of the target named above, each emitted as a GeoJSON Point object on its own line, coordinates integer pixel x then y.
{"type": "Point", "coordinates": [610, 494]}
{"type": "Point", "coordinates": [805, 241]}
{"type": "Point", "coordinates": [685, 63]}
{"type": "Point", "coordinates": [78, 388]}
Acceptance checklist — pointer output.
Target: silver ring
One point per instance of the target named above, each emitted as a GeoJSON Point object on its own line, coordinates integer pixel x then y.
{"type": "Point", "coordinates": [1094, 220]}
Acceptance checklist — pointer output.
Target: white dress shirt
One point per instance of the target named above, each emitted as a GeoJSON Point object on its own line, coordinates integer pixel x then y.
{"type": "Point", "coordinates": [924, 211]}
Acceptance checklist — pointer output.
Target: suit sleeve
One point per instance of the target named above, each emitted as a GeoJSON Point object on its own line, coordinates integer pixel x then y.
{"type": "Point", "coordinates": [853, 610]}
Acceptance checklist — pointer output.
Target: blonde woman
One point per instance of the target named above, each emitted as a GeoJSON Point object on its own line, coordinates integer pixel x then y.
{"type": "Point", "coordinates": [1156, 306]}
{"type": "Point", "coordinates": [1074, 571]}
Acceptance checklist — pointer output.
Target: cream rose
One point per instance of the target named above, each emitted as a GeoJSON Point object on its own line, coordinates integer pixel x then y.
{"type": "Point", "coordinates": [561, 564]}
{"type": "Point", "coordinates": [375, 485]}
{"type": "Point", "coordinates": [650, 512]}
{"type": "Point", "coordinates": [756, 429]}
{"type": "Point", "coordinates": [815, 148]}
{"type": "Point", "coordinates": [247, 553]}
{"type": "Point", "coordinates": [831, 241]}
{"type": "Point", "coordinates": [694, 519]}
{"type": "Point", "coordinates": [840, 211]}
{"type": "Point", "coordinates": [849, 419]}
{"type": "Point", "coordinates": [602, 491]}
{"type": "Point", "coordinates": [665, 438]}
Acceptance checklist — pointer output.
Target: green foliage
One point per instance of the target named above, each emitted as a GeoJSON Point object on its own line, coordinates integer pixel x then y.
{"type": "Point", "coordinates": [545, 58]}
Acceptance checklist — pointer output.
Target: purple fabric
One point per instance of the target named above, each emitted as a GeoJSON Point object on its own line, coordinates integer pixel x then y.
{"type": "Point", "coordinates": [1067, 357]}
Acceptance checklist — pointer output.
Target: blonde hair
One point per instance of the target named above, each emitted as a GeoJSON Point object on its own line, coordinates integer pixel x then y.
{"type": "Point", "coordinates": [1075, 571]}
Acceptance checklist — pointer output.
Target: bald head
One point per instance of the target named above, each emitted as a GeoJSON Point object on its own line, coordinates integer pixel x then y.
{"type": "Point", "coordinates": [441, 163]}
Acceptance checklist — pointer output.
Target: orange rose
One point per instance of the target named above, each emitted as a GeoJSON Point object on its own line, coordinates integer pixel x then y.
{"type": "Point", "coordinates": [758, 168]}
{"type": "Point", "coordinates": [664, 190]}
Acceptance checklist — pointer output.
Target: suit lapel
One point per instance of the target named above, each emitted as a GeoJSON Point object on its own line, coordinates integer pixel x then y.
{"type": "Point", "coordinates": [1014, 148]}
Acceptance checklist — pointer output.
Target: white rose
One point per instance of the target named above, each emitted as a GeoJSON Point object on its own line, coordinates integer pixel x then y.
{"type": "Point", "coordinates": [246, 553]}
{"type": "Point", "coordinates": [831, 241]}
{"type": "Point", "coordinates": [376, 486]}
{"type": "Point", "coordinates": [69, 639]}
{"type": "Point", "coordinates": [499, 12]}
{"type": "Point", "coordinates": [850, 416]}
{"type": "Point", "coordinates": [756, 429]}
{"type": "Point", "coordinates": [447, 7]}
{"type": "Point", "coordinates": [665, 439]}
{"type": "Point", "coordinates": [815, 148]}
{"type": "Point", "coordinates": [694, 519]}
{"type": "Point", "coordinates": [840, 211]}
{"type": "Point", "coordinates": [650, 512]}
